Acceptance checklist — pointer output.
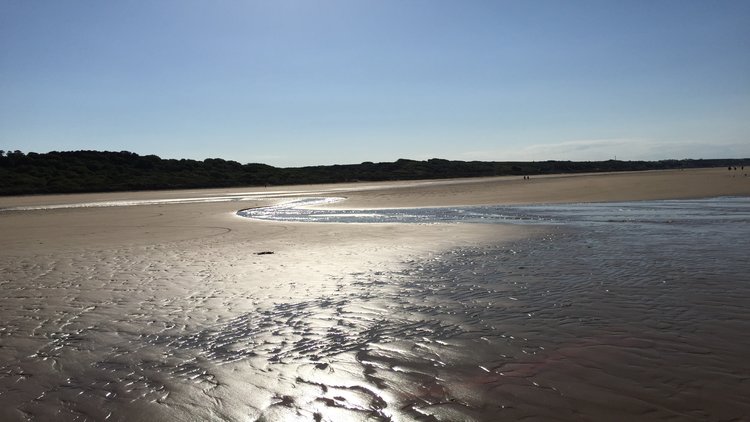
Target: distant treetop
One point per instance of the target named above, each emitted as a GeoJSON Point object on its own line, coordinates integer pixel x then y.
{"type": "Point", "coordinates": [104, 171]}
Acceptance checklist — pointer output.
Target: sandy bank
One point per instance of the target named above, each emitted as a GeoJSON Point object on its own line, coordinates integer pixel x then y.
{"type": "Point", "coordinates": [627, 186]}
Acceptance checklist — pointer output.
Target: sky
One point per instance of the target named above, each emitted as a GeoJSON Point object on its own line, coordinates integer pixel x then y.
{"type": "Point", "coordinates": [294, 83]}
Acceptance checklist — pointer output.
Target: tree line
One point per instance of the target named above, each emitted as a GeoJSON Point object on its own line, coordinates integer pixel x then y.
{"type": "Point", "coordinates": [106, 171]}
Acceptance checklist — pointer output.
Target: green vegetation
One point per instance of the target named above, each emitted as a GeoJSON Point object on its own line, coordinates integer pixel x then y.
{"type": "Point", "coordinates": [95, 171]}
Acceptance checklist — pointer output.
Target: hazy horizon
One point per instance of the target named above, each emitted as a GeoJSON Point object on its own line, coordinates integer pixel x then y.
{"type": "Point", "coordinates": [294, 83]}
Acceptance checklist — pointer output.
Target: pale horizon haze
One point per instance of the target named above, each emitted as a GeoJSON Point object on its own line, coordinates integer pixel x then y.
{"type": "Point", "coordinates": [294, 83]}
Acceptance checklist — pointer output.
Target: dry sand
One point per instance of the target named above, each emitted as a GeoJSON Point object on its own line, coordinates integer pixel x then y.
{"type": "Point", "coordinates": [121, 271]}
{"type": "Point", "coordinates": [626, 186]}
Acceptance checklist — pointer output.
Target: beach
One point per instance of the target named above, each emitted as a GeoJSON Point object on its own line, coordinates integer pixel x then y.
{"type": "Point", "coordinates": [92, 227]}
{"type": "Point", "coordinates": [167, 305]}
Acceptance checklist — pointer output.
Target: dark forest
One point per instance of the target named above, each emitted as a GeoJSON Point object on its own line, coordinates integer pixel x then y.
{"type": "Point", "coordinates": [101, 171]}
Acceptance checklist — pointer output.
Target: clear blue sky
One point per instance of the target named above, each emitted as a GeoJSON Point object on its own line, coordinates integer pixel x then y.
{"type": "Point", "coordinates": [293, 83]}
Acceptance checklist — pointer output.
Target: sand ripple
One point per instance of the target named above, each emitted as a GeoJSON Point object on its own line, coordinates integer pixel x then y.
{"type": "Point", "coordinates": [617, 322]}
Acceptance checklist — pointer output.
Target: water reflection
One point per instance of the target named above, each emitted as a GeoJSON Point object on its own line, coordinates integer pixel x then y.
{"type": "Point", "coordinates": [687, 212]}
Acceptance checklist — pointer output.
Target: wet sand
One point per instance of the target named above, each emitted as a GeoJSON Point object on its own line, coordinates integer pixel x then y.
{"type": "Point", "coordinates": [177, 311]}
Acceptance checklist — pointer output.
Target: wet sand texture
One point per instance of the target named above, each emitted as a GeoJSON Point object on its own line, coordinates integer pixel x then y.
{"type": "Point", "coordinates": [172, 312]}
